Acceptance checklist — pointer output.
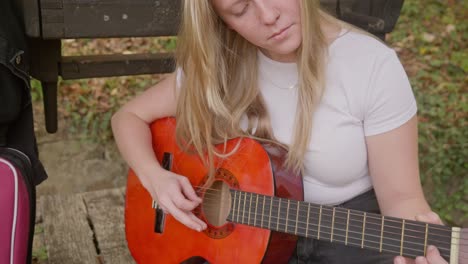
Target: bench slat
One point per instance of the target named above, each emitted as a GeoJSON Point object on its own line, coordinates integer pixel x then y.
{"type": "Point", "coordinates": [67, 234]}
{"type": "Point", "coordinates": [77, 67]}
{"type": "Point", "coordinates": [63, 19]}
{"type": "Point", "coordinates": [106, 212]}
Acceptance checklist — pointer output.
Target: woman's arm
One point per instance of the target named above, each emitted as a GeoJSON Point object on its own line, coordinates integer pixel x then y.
{"type": "Point", "coordinates": [394, 168]}
{"type": "Point", "coordinates": [130, 126]}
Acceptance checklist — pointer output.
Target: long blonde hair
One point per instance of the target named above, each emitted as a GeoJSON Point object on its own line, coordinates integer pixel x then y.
{"type": "Point", "coordinates": [219, 84]}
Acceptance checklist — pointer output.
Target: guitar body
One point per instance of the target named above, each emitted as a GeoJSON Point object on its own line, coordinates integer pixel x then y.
{"type": "Point", "coordinates": [252, 168]}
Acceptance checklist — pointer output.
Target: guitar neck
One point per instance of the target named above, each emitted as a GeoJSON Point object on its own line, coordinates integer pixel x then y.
{"type": "Point", "coordinates": [336, 224]}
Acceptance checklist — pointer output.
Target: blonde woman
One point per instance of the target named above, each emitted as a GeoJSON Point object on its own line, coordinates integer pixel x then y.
{"type": "Point", "coordinates": [284, 71]}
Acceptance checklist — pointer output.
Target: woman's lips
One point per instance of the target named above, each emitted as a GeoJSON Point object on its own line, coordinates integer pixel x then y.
{"type": "Point", "coordinates": [280, 33]}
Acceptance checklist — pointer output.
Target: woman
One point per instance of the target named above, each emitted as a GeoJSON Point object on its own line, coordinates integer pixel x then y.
{"type": "Point", "coordinates": [284, 71]}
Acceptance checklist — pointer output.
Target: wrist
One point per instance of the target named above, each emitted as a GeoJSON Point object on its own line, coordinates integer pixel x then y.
{"type": "Point", "coordinates": [151, 171]}
{"type": "Point", "coordinates": [408, 208]}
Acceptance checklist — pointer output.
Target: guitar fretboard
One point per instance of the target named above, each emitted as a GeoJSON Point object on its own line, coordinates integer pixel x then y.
{"type": "Point", "coordinates": [340, 225]}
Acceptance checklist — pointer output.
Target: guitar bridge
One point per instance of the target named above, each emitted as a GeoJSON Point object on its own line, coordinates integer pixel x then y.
{"type": "Point", "coordinates": [160, 216]}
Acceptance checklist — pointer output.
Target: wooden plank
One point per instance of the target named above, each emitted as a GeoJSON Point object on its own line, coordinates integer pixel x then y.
{"type": "Point", "coordinates": [106, 213]}
{"type": "Point", "coordinates": [67, 233]}
{"type": "Point", "coordinates": [109, 18]}
{"type": "Point", "coordinates": [30, 16]}
{"type": "Point", "coordinates": [77, 67]}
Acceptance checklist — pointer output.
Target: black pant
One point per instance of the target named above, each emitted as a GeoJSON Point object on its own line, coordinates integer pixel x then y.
{"type": "Point", "coordinates": [310, 250]}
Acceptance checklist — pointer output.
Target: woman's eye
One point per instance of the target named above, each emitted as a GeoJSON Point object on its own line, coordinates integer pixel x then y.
{"type": "Point", "coordinates": [238, 14]}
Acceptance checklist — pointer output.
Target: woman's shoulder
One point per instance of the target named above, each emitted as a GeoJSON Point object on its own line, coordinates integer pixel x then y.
{"type": "Point", "coordinates": [359, 46]}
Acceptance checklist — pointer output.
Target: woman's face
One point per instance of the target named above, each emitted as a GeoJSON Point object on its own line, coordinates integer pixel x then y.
{"type": "Point", "coordinates": [272, 25]}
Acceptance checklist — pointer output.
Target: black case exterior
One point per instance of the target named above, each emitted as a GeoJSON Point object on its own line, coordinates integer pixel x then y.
{"type": "Point", "coordinates": [16, 115]}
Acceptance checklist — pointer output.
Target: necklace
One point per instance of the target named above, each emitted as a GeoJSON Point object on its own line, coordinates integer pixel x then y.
{"type": "Point", "coordinates": [282, 87]}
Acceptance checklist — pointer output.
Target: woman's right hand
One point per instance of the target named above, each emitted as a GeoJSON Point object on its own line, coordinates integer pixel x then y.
{"type": "Point", "coordinates": [131, 128]}
{"type": "Point", "coordinates": [175, 196]}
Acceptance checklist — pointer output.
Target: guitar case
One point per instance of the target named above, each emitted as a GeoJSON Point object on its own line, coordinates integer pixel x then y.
{"type": "Point", "coordinates": [17, 207]}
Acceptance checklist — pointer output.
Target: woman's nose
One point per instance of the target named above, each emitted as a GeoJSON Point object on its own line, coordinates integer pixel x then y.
{"type": "Point", "coordinates": [268, 13]}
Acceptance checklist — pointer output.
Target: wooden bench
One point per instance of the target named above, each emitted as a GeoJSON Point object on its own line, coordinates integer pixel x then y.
{"type": "Point", "coordinates": [47, 22]}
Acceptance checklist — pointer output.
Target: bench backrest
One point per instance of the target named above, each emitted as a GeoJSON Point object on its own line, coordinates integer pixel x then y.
{"type": "Point", "coordinates": [49, 21]}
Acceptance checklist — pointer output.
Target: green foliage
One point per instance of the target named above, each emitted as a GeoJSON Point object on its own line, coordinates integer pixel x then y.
{"type": "Point", "coordinates": [88, 105]}
{"type": "Point", "coordinates": [40, 254]}
{"type": "Point", "coordinates": [431, 37]}
{"type": "Point", "coordinates": [36, 90]}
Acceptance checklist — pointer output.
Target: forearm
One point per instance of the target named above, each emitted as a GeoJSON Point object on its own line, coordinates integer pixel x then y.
{"type": "Point", "coordinates": [133, 138]}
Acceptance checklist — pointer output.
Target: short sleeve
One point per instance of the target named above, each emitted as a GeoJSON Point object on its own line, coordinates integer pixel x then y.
{"type": "Point", "coordinates": [390, 100]}
{"type": "Point", "coordinates": [179, 76]}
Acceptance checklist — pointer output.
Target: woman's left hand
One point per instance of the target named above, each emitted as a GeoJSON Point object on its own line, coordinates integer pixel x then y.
{"type": "Point", "coordinates": [433, 255]}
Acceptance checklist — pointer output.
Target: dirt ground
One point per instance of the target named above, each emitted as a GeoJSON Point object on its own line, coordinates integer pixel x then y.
{"type": "Point", "coordinates": [75, 164]}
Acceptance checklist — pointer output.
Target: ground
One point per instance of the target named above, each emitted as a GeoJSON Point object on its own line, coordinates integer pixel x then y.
{"type": "Point", "coordinates": [76, 164]}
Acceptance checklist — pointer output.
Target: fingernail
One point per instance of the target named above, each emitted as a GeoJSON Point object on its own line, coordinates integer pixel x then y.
{"type": "Point", "coordinates": [399, 260]}
{"type": "Point", "coordinates": [431, 248]}
{"type": "Point", "coordinates": [420, 260]}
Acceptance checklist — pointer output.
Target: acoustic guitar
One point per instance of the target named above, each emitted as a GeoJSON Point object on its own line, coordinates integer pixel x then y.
{"type": "Point", "coordinates": [254, 212]}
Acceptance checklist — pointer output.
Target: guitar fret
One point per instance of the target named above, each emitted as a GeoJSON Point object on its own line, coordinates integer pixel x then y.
{"type": "Point", "coordinates": [363, 229]}
{"type": "Point", "coordinates": [233, 212]}
{"type": "Point", "coordinates": [381, 233]}
{"type": "Point", "coordinates": [347, 228]}
{"type": "Point", "coordinates": [269, 220]}
{"type": "Point", "coordinates": [333, 225]}
{"type": "Point", "coordinates": [263, 210]}
{"type": "Point", "coordinates": [297, 218]}
{"type": "Point", "coordinates": [308, 217]}
{"type": "Point", "coordinates": [402, 237]}
{"type": "Point", "coordinates": [287, 216]}
{"type": "Point", "coordinates": [279, 209]}
{"type": "Point", "coordinates": [425, 239]}
{"type": "Point", "coordinates": [243, 211]}
{"type": "Point", "coordinates": [238, 206]}
{"type": "Point", "coordinates": [320, 219]}
{"type": "Point", "coordinates": [255, 216]}
{"type": "Point", "coordinates": [250, 209]}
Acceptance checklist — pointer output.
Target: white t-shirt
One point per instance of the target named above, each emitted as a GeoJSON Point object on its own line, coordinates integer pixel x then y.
{"type": "Point", "coordinates": [367, 93]}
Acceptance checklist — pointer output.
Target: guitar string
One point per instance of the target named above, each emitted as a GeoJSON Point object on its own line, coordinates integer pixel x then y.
{"type": "Point", "coordinates": [422, 225]}
{"type": "Point", "coordinates": [389, 232]}
{"type": "Point", "coordinates": [367, 242]}
{"type": "Point", "coordinates": [323, 208]}
{"type": "Point", "coordinates": [349, 231]}
{"type": "Point", "coordinates": [370, 216]}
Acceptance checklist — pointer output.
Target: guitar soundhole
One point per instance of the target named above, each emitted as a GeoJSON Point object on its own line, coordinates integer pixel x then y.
{"type": "Point", "coordinates": [215, 207]}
